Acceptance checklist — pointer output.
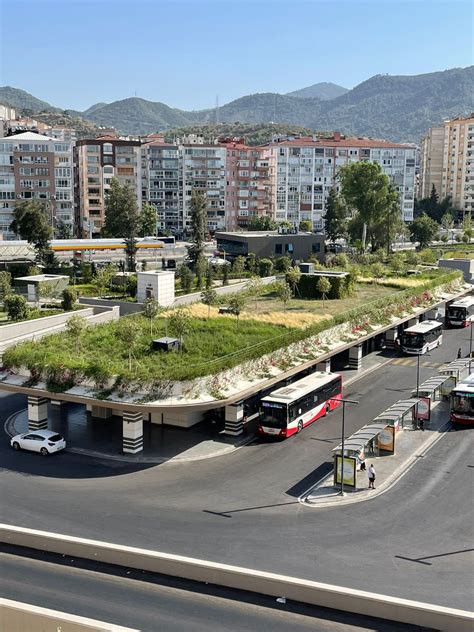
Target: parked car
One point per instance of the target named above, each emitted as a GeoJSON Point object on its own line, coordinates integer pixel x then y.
{"type": "Point", "coordinates": [43, 441]}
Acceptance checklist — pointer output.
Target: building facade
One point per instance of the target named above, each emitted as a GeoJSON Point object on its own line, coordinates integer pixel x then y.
{"type": "Point", "coordinates": [97, 162]}
{"type": "Point", "coordinates": [431, 161]}
{"type": "Point", "coordinates": [304, 170]}
{"type": "Point", "coordinates": [33, 166]}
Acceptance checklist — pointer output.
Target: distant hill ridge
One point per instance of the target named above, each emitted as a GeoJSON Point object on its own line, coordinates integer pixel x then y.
{"type": "Point", "coordinates": [399, 108]}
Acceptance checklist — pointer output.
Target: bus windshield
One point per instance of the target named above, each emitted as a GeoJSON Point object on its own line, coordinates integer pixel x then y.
{"type": "Point", "coordinates": [413, 340]}
{"type": "Point", "coordinates": [274, 415]}
{"type": "Point", "coordinates": [463, 403]}
{"type": "Point", "coordinates": [457, 313]}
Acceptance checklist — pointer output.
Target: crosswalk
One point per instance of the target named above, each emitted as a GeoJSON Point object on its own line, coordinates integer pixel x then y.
{"type": "Point", "coordinates": [413, 362]}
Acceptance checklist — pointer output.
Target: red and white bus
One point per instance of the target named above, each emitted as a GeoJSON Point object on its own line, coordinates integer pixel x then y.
{"type": "Point", "coordinates": [459, 313]}
{"type": "Point", "coordinates": [462, 402]}
{"type": "Point", "coordinates": [288, 409]}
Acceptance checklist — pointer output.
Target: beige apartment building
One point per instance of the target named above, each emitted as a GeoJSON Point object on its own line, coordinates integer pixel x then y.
{"type": "Point", "coordinates": [447, 161]}
{"type": "Point", "coordinates": [97, 162]}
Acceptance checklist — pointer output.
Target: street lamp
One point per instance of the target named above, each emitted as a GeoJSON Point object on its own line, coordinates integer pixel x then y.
{"type": "Point", "coordinates": [344, 402]}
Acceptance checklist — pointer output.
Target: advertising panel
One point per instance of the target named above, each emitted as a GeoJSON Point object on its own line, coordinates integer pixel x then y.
{"type": "Point", "coordinates": [423, 408]}
{"type": "Point", "coordinates": [386, 439]}
{"type": "Point", "coordinates": [349, 470]}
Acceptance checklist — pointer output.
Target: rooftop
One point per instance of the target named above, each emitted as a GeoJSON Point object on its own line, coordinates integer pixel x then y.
{"type": "Point", "coordinates": [309, 141]}
{"type": "Point", "coordinates": [30, 136]}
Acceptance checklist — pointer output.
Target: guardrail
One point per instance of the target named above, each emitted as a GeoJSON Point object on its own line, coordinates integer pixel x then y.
{"type": "Point", "coordinates": [306, 591]}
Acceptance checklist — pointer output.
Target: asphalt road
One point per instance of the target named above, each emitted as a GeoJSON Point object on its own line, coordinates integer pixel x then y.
{"type": "Point", "coordinates": [415, 541]}
{"type": "Point", "coordinates": [155, 602]}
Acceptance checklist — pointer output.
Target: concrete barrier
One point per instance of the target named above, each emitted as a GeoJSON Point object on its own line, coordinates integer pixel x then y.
{"type": "Point", "coordinates": [306, 591]}
{"type": "Point", "coordinates": [19, 617]}
{"type": "Point", "coordinates": [16, 330]}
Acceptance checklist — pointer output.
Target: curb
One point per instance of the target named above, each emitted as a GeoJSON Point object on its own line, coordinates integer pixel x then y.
{"type": "Point", "coordinates": [390, 482]}
{"type": "Point", "coordinates": [9, 428]}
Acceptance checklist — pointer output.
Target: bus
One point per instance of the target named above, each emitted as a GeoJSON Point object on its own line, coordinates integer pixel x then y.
{"type": "Point", "coordinates": [462, 402]}
{"type": "Point", "coordinates": [288, 409]}
{"type": "Point", "coordinates": [459, 313]}
{"type": "Point", "coordinates": [422, 337]}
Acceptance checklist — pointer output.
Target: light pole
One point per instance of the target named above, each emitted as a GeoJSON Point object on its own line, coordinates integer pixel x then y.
{"type": "Point", "coordinates": [344, 402]}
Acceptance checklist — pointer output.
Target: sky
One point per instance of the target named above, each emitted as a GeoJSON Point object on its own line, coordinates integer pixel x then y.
{"type": "Point", "coordinates": [185, 53]}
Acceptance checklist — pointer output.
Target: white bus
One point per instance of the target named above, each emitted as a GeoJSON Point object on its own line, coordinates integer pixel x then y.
{"type": "Point", "coordinates": [460, 312]}
{"type": "Point", "coordinates": [422, 337]}
{"type": "Point", "coordinates": [288, 409]}
{"type": "Point", "coordinates": [462, 402]}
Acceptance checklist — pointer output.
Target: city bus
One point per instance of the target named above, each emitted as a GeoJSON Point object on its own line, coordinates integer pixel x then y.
{"type": "Point", "coordinates": [462, 402]}
{"type": "Point", "coordinates": [460, 312]}
{"type": "Point", "coordinates": [288, 409]}
{"type": "Point", "coordinates": [422, 337]}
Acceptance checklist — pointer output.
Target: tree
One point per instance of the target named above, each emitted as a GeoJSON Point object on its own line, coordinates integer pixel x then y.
{"type": "Point", "coordinates": [397, 264]}
{"type": "Point", "coordinates": [63, 230]}
{"type": "Point", "coordinates": [75, 327]}
{"type": "Point", "coordinates": [237, 305]}
{"type": "Point", "coordinates": [238, 266]}
{"type": "Point", "coordinates": [69, 299]}
{"type": "Point", "coordinates": [377, 270]}
{"type": "Point", "coordinates": [209, 298]}
{"type": "Point", "coordinates": [48, 290]}
{"type": "Point", "coordinates": [264, 222]}
{"type": "Point", "coordinates": [252, 263]}
{"type": "Point", "coordinates": [31, 220]}
{"type": "Point", "coordinates": [198, 228]}
{"type": "Point", "coordinates": [186, 278]}
{"type": "Point", "coordinates": [423, 230]}
{"type": "Point", "coordinates": [225, 274]}
{"type": "Point", "coordinates": [447, 221]}
{"type": "Point", "coordinates": [283, 264]}
{"type": "Point", "coordinates": [201, 266]}
{"type": "Point", "coordinates": [341, 260]}
{"type": "Point", "coordinates": [103, 278]}
{"type": "Point", "coordinates": [122, 218]}
{"type": "Point", "coordinates": [148, 220]}
{"type": "Point", "coordinates": [284, 293]}
{"type": "Point", "coordinates": [209, 277]}
{"type": "Point", "coordinates": [265, 267]}
{"type": "Point", "coordinates": [179, 323]}
{"type": "Point", "coordinates": [255, 287]}
{"type": "Point", "coordinates": [293, 276]}
{"type": "Point", "coordinates": [335, 216]}
{"type": "Point", "coordinates": [323, 286]}
{"type": "Point", "coordinates": [306, 226]}
{"type": "Point", "coordinates": [5, 284]}
{"type": "Point", "coordinates": [128, 331]}
{"type": "Point", "coordinates": [151, 310]}
{"type": "Point", "coordinates": [367, 190]}
{"type": "Point", "coordinates": [16, 307]}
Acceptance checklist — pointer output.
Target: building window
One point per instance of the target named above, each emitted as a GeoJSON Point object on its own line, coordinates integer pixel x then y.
{"type": "Point", "coordinates": [278, 249]}
{"type": "Point", "coordinates": [316, 247]}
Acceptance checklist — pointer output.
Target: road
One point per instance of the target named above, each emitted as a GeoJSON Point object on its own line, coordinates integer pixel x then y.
{"type": "Point", "coordinates": [158, 603]}
{"type": "Point", "coordinates": [242, 508]}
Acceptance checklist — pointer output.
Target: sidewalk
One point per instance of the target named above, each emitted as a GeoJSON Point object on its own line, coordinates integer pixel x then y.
{"type": "Point", "coordinates": [410, 446]}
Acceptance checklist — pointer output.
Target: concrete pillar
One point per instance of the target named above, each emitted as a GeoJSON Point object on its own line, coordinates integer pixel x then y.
{"type": "Point", "coordinates": [234, 419]}
{"type": "Point", "coordinates": [391, 336]}
{"type": "Point", "coordinates": [355, 357]}
{"type": "Point", "coordinates": [37, 413]}
{"type": "Point", "coordinates": [432, 314]}
{"type": "Point", "coordinates": [132, 432]}
{"type": "Point", "coordinates": [57, 402]}
{"type": "Point", "coordinates": [324, 366]}
{"type": "Point", "coordinates": [101, 412]}
{"type": "Point", "coordinates": [412, 322]}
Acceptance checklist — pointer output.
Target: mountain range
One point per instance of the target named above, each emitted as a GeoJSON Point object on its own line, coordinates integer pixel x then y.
{"type": "Point", "coordinates": [399, 108]}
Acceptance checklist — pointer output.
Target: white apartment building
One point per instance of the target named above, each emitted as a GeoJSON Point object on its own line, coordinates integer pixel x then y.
{"type": "Point", "coordinates": [34, 166]}
{"type": "Point", "coordinates": [304, 170]}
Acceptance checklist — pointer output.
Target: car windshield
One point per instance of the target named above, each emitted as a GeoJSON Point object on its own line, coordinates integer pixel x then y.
{"type": "Point", "coordinates": [412, 340]}
{"type": "Point", "coordinates": [273, 415]}
{"type": "Point", "coordinates": [463, 404]}
{"type": "Point", "coordinates": [55, 438]}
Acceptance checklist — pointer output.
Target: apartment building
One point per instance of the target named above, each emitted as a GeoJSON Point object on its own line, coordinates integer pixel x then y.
{"type": "Point", "coordinates": [34, 166]}
{"type": "Point", "coordinates": [97, 162]}
{"type": "Point", "coordinates": [447, 162]}
{"type": "Point", "coordinates": [203, 170]}
{"type": "Point", "coordinates": [247, 192]}
{"type": "Point", "coordinates": [303, 171]}
{"type": "Point", "coordinates": [162, 182]}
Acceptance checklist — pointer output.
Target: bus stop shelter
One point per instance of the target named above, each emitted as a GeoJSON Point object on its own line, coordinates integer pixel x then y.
{"type": "Point", "coordinates": [435, 386]}
{"type": "Point", "coordinates": [397, 414]}
{"type": "Point", "coordinates": [370, 440]}
{"type": "Point", "coordinates": [458, 369]}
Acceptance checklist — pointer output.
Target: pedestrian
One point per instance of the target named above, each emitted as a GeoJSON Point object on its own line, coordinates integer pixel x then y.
{"type": "Point", "coordinates": [421, 423]}
{"type": "Point", "coordinates": [459, 353]}
{"type": "Point", "coordinates": [371, 474]}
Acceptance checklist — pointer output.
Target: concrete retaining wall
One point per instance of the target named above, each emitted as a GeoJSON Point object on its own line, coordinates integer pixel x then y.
{"type": "Point", "coordinates": [195, 297]}
{"type": "Point", "coordinates": [465, 265]}
{"type": "Point", "coordinates": [316, 593]}
{"type": "Point", "coordinates": [19, 617]}
{"type": "Point", "coordinates": [125, 307]}
{"type": "Point", "coordinates": [16, 330]}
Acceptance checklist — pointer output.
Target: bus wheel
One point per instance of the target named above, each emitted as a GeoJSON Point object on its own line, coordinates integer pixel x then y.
{"type": "Point", "coordinates": [300, 426]}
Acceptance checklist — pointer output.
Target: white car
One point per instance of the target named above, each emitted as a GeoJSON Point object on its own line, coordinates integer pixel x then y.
{"type": "Point", "coordinates": [43, 441]}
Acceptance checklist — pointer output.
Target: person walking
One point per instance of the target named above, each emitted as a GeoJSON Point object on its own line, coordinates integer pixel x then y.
{"type": "Point", "coordinates": [371, 475]}
{"type": "Point", "coordinates": [459, 353]}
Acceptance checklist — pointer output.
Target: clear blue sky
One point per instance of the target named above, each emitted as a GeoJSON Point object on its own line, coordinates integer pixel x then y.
{"type": "Point", "coordinates": [74, 53]}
